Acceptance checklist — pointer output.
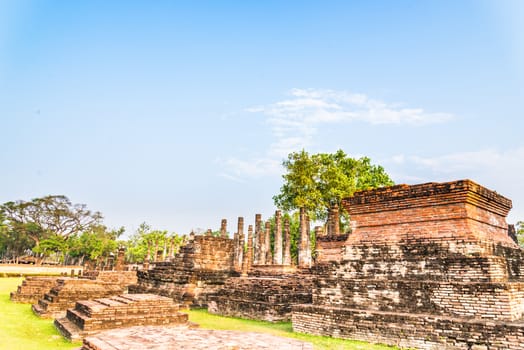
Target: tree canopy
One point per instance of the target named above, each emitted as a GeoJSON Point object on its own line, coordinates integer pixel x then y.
{"type": "Point", "coordinates": [316, 182]}
{"type": "Point", "coordinates": [520, 232]}
{"type": "Point", "coordinates": [50, 220]}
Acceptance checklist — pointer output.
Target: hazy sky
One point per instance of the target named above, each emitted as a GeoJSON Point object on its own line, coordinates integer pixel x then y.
{"type": "Point", "coordinates": [179, 114]}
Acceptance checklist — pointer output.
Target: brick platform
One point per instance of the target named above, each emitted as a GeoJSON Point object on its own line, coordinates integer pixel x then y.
{"type": "Point", "coordinates": [182, 338]}
{"type": "Point", "coordinates": [93, 316]}
{"type": "Point", "coordinates": [67, 291]}
{"type": "Point", "coordinates": [262, 298]}
{"type": "Point", "coordinates": [32, 289]}
{"type": "Point", "coordinates": [121, 278]}
{"type": "Point", "coordinates": [427, 266]}
{"type": "Point", "coordinates": [200, 269]}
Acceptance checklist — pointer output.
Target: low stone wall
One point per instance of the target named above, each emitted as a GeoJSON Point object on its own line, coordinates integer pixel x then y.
{"type": "Point", "coordinates": [67, 291]}
{"type": "Point", "coordinates": [32, 289]}
{"type": "Point", "coordinates": [93, 316]}
{"type": "Point", "coordinates": [121, 278]}
{"type": "Point", "coordinates": [420, 331]}
{"type": "Point", "coordinates": [261, 298]}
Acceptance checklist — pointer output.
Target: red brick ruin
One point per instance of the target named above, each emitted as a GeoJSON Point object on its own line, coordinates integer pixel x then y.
{"type": "Point", "coordinates": [428, 266]}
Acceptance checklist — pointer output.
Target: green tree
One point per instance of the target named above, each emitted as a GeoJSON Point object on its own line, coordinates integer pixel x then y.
{"type": "Point", "coordinates": [98, 241]}
{"type": "Point", "coordinates": [316, 182]}
{"type": "Point", "coordinates": [156, 242]}
{"type": "Point", "coordinates": [46, 218]}
{"type": "Point", "coordinates": [520, 232]}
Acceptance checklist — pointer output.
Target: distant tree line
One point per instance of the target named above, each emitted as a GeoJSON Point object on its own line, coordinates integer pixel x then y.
{"type": "Point", "coordinates": [51, 229]}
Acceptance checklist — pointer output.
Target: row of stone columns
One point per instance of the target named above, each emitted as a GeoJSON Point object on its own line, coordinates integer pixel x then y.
{"type": "Point", "coordinates": [259, 243]}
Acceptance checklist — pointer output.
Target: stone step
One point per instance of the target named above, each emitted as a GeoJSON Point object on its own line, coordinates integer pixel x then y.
{"type": "Point", "coordinates": [68, 329]}
{"type": "Point", "coordinates": [92, 316]}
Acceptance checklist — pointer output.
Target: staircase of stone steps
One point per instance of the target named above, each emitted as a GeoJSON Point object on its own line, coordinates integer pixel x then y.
{"type": "Point", "coordinates": [126, 310]}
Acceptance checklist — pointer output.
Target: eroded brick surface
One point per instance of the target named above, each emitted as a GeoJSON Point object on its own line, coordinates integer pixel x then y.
{"type": "Point", "coordinates": [427, 266]}
{"type": "Point", "coordinates": [32, 289]}
{"type": "Point", "coordinates": [178, 338]}
{"type": "Point", "coordinates": [93, 316]}
{"type": "Point", "coordinates": [198, 270]}
{"type": "Point", "coordinates": [67, 291]}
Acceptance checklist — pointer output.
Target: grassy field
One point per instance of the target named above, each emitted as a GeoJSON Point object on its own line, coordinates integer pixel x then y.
{"type": "Point", "coordinates": [283, 329]}
{"type": "Point", "coordinates": [21, 329]}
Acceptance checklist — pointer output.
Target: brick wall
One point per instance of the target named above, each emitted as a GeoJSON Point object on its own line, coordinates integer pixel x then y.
{"type": "Point", "coordinates": [428, 266]}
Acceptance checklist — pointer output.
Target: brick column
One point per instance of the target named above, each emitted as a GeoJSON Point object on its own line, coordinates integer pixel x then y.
{"type": "Point", "coordinates": [286, 260]}
{"type": "Point", "coordinates": [258, 239]}
{"type": "Point", "coordinates": [248, 260]}
{"type": "Point", "coordinates": [239, 244]}
{"type": "Point", "coordinates": [304, 253]}
{"type": "Point", "coordinates": [120, 259]}
{"type": "Point", "coordinates": [171, 248]}
{"type": "Point", "coordinates": [223, 228]}
{"type": "Point", "coordinates": [267, 244]}
{"type": "Point", "coordinates": [277, 256]}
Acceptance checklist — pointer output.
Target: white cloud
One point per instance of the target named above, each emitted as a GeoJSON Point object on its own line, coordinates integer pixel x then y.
{"type": "Point", "coordinates": [498, 170]}
{"type": "Point", "coordinates": [236, 169]}
{"type": "Point", "coordinates": [294, 123]}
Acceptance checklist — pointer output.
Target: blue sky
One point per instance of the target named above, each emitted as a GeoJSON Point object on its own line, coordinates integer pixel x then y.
{"type": "Point", "coordinates": [180, 113]}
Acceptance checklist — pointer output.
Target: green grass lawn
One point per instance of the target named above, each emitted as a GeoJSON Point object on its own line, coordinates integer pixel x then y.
{"type": "Point", "coordinates": [283, 329]}
{"type": "Point", "coordinates": [20, 329]}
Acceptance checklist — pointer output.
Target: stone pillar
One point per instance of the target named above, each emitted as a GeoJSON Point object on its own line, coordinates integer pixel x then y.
{"type": "Point", "coordinates": [277, 252]}
{"type": "Point", "coordinates": [304, 253]}
{"type": "Point", "coordinates": [120, 259]}
{"type": "Point", "coordinates": [333, 224]}
{"type": "Point", "coordinates": [239, 244]}
{"type": "Point", "coordinates": [258, 239]}
{"type": "Point", "coordinates": [223, 229]}
{"type": "Point", "coordinates": [286, 259]}
{"type": "Point", "coordinates": [155, 256]}
{"type": "Point", "coordinates": [172, 249]}
{"type": "Point", "coordinates": [267, 244]}
{"type": "Point", "coordinates": [164, 251]}
{"type": "Point", "coordinates": [148, 256]}
{"type": "Point", "coordinates": [248, 260]}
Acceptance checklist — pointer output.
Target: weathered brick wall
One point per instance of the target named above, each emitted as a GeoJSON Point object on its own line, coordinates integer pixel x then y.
{"type": "Point", "coordinates": [121, 278]}
{"type": "Point", "coordinates": [67, 291]}
{"type": "Point", "coordinates": [329, 248]}
{"type": "Point", "coordinates": [419, 331]}
{"type": "Point", "coordinates": [262, 298]}
{"type": "Point", "coordinates": [93, 316]}
{"type": "Point", "coordinates": [434, 259]}
{"type": "Point", "coordinates": [32, 289]}
{"type": "Point", "coordinates": [198, 270]}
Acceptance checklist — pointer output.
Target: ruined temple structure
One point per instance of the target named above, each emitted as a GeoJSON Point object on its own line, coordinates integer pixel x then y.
{"type": "Point", "coordinates": [428, 266]}
{"type": "Point", "coordinates": [199, 269]}
{"type": "Point", "coordinates": [90, 317]}
{"type": "Point", "coordinates": [32, 289]}
{"type": "Point", "coordinates": [269, 284]}
{"type": "Point", "coordinates": [219, 272]}
{"type": "Point", "coordinates": [67, 291]}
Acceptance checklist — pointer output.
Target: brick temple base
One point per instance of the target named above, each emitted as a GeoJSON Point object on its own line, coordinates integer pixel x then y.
{"type": "Point", "coordinates": [33, 288]}
{"type": "Point", "coordinates": [262, 298]}
{"type": "Point", "coordinates": [67, 291]}
{"type": "Point", "coordinates": [428, 266]}
{"type": "Point", "coordinates": [93, 316]}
